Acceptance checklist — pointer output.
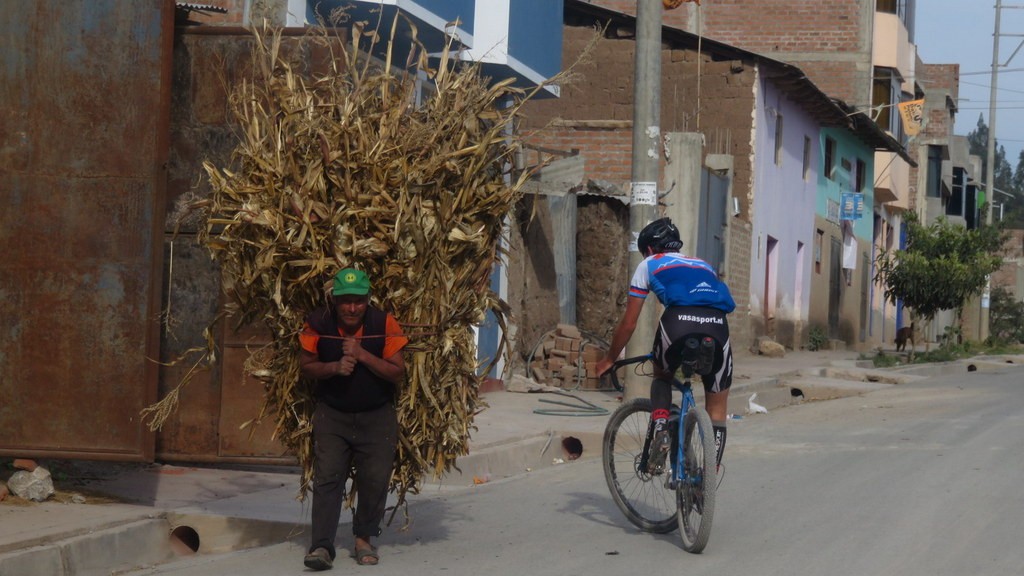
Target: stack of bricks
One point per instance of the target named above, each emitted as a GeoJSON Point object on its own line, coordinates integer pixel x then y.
{"type": "Point", "coordinates": [567, 360]}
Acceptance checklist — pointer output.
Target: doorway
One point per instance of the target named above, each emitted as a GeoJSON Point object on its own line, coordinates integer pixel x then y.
{"type": "Point", "coordinates": [771, 266]}
{"type": "Point", "coordinates": [835, 281]}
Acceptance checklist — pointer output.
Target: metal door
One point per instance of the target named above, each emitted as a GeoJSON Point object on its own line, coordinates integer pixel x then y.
{"type": "Point", "coordinates": [714, 195]}
{"type": "Point", "coordinates": [84, 99]}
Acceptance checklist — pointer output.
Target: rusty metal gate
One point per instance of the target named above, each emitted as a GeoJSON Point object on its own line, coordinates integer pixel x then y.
{"type": "Point", "coordinates": [84, 98]}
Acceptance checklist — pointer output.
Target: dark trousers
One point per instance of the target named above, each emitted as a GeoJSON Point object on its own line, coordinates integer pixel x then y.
{"type": "Point", "coordinates": [341, 441]}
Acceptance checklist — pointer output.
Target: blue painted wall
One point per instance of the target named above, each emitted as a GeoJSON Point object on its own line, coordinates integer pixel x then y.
{"type": "Point", "coordinates": [535, 34]}
{"type": "Point", "coordinates": [850, 147]}
{"type": "Point", "coordinates": [464, 10]}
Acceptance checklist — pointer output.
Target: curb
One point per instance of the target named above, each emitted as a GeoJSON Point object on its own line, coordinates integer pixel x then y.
{"type": "Point", "coordinates": [132, 544]}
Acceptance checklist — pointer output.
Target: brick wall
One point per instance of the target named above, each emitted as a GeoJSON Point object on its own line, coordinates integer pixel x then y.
{"type": "Point", "coordinates": [1013, 261]}
{"type": "Point", "coordinates": [940, 81]}
{"type": "Point", "coordinates": [768, 26]}
{"type": "Point", "coordinates": [594, 117]}
{"type": "Point", "coordinates": [594, 114]}
{"type": "Point", "coordinates": [829, 39]}
{"type": "Point", "coordinates": [941, 77]}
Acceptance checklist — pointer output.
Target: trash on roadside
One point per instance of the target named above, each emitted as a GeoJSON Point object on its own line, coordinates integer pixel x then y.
{"type": "Point", "coordinates": [734, 417]}
{"type": "Point", "coordinates": [558, 461]}
{"type": "Point", "coordinates": [754, 407]}
{"type": "Point", "coordinates": [481, 479]}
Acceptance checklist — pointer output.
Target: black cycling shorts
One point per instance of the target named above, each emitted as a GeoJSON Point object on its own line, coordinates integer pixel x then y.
{"type": "Point", "coordinates": [678, 322]}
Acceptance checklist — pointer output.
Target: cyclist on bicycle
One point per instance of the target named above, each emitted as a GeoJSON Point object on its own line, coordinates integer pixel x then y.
{"type": "Point", "coordinates": [696, 303]}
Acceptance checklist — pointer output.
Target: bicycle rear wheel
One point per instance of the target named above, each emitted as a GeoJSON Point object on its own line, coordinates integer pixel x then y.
{"type": "Point", "coordinates": [641, 496]}
{"type": "Point", "coordinates": [695, 495]}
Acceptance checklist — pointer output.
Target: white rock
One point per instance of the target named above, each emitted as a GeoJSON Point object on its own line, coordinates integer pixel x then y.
{"type": "Point", "coordinates": [36, 485]}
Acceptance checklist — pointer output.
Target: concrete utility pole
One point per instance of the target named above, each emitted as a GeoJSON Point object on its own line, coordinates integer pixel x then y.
{"type": "Point", "coordinates": [990, 159]}
{"type": "Point", "coordinates": [643, 205]}
{"type": "Point", "coordinates": [990, 164]}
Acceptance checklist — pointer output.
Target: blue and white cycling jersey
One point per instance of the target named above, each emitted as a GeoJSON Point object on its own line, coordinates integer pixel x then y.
{"type": "Point", "coordinates": [679, 280]}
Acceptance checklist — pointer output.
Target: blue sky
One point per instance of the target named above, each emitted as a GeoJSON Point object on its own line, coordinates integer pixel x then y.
{"type": "Point", "coordinates": [961, 31]}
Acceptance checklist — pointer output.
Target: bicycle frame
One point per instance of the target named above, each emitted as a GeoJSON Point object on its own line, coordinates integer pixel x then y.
{"type": "Point", "coordinates": [679, 462]}
{"type": "Point", "coordinates": [677, 413]}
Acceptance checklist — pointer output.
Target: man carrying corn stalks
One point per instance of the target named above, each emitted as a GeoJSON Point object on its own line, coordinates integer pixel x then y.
{"type": "Point", "coordinates": [354, 352]}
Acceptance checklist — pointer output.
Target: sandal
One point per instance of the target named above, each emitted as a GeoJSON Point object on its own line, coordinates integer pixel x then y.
{"type": "Point", "coordinates": [367, 555]}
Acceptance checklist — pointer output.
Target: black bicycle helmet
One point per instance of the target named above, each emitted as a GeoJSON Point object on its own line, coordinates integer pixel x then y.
{"type": "Point", "coordinates": [660, 235]}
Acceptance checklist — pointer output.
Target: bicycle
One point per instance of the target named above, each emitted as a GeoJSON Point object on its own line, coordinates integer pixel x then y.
{"type": "Point", "coordinates": [640, 487]}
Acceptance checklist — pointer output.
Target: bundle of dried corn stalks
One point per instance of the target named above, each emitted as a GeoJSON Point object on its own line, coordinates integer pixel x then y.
{"type": "Point", "coordinates": [346, 168]}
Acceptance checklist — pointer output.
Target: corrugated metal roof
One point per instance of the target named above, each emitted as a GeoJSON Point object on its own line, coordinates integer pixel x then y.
{"type": "Point", "coordinates": [190, 7]}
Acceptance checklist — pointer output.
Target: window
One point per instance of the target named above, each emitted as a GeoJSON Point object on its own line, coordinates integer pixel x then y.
{"type": "Point", "coordinates": [971, 212]}
{"type": "Point", "coordinates": [860, 176]}
{"type": "Point", "coordinates": [955, 206]}
{"type": "Point", "coordinates": [891, 6]}
{"type": "Point", "coordinates": [832, 211]}
{"type": "Point", "coordinates": [885, 95]}
{"type": "Point", "coordinates": [830, 158]}
{"type": "Point", "coordinates": [778, 139]}
{"type": "Point", "coordinates": [934, 183]}
{"type": "Point", "coordinates": [807, 158]}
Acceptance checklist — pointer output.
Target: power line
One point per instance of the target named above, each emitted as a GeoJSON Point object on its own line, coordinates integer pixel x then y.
{"type": "Point", "coordinates": [989, 86]}
{"type": "Point", "coordinates": [996, 108]}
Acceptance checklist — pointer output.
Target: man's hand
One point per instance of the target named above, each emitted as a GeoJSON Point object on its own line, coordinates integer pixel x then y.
{"type": "Point", "coordinates": [353, 355]}
{"type": "Point", "coordinates": [346, 365]}
{"type": "Point", "coordinates": [603, 365]}
{"type": "Point", "coordinates": [352, 349]}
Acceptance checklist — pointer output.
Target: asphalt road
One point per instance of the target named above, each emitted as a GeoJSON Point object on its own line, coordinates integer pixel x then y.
{"type": "Point", "coordinates": [920, 479]}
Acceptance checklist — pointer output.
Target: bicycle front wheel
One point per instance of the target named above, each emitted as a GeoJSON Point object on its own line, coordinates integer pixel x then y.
{"type": "Point", "coordinates": [695, 494]}
{"type": "Point", "coordinates": [641, 496]}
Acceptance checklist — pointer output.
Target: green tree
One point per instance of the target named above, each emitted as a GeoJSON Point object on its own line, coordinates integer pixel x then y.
{"type": "Point", "coordinates": [1018, 175]}
{"type": "Point", "coordinates": [943, 265]}
{"type": "Point", "coordinates": [1010, 181]}
{"type": "Point", "coordinates": [1013, 212]}
{"type": "Point", "coordinates": [977, 141]}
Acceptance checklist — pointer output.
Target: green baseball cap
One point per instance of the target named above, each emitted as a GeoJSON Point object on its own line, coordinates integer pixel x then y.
{"type": "Point", "coordinates": [351, 281]}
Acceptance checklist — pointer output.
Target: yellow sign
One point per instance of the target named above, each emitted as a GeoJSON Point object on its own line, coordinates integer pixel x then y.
{"type": "Point", "coordinates": [913, 114]}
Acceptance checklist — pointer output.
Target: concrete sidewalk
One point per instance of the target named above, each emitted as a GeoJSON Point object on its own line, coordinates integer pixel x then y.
{"type": "Point", "coordinates": [229, 509]}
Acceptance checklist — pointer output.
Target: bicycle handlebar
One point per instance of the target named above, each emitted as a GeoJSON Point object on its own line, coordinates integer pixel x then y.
{"type": "Point", "coordinates": [613, 371]}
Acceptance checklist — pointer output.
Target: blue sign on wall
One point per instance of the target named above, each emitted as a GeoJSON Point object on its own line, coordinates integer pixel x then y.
{"type": "Point", "coordinates": [851, 206]}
